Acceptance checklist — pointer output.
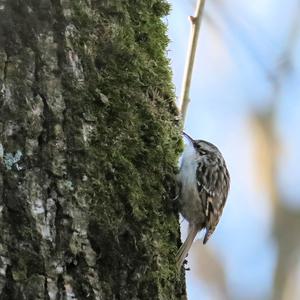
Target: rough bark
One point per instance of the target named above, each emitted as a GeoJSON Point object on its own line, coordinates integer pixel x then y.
{"type": "Point", "coordinates": [89, 139]}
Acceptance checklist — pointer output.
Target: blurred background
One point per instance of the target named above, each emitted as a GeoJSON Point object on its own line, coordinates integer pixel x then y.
{"type": "Point", "coordinates": [245, 98]}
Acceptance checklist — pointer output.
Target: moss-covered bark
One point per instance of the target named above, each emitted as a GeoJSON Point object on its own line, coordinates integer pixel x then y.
{"type": "Point", "coordinates": [89, 140]}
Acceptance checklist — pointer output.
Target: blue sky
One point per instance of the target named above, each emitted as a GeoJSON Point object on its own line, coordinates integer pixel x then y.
{"type": "Point", "coordinates": [240, 47]}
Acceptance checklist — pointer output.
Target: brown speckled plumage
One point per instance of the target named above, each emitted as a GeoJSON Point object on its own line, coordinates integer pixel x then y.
{"type": "Point", "coordinates": [204, 184]}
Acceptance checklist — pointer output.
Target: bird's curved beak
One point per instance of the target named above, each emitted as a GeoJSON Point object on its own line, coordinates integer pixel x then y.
{"type": "Point", "coordinates": [188, 137]}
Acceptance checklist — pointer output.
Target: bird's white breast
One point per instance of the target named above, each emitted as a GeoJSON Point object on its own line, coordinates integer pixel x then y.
{"type": "Point", "coordinates": [191, 206]}
{"type": "Point", "coordinates": [188, 167]}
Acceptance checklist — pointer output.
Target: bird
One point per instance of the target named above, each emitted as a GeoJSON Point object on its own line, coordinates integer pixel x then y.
{"type": "Point", "coordinates": [204, 183]}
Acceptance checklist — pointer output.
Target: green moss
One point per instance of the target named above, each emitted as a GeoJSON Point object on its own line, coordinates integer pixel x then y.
{"type": "Point", "coordinates": [132, 155]}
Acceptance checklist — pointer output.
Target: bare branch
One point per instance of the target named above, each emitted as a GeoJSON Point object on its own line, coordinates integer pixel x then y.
{"type": "Point", "coordinates": [196, 22]}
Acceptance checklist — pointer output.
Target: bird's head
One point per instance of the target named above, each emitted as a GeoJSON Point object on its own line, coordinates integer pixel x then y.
{"type": "Point", "coordinates": [203, 147]}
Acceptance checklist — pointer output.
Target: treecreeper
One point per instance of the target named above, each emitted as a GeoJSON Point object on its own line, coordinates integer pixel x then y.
{"type": "Point", "coordinates": [204, 183]}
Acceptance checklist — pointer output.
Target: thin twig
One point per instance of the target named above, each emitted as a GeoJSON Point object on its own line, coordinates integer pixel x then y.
{"type": "Point", "coordinates": [196, 22]}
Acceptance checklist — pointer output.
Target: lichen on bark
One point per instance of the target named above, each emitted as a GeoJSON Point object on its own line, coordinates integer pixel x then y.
{"type": "Point", "coordinates": [86, 98]}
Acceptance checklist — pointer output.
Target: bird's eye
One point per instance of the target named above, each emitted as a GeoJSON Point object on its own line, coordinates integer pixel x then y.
{"type": "Point", "coordinates": [201, 150]}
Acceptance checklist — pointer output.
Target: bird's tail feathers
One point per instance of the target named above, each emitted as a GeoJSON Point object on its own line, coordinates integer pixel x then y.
{"type": "Point", "coordinates": [185, 247]}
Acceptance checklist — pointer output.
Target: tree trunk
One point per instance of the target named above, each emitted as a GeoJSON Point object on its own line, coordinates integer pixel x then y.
{"type": "Point", "coordinates": [89, 140]}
